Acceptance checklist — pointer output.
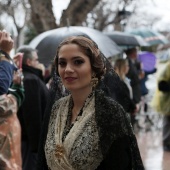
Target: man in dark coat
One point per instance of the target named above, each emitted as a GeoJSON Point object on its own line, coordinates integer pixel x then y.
{"type": "Point", "coordinates": [135, 73]}
{"type": "Point", "coordinates": [32, 111]}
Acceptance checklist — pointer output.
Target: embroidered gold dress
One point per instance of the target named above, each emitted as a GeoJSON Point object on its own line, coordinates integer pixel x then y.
{"type": "Point", "coordinates": [10, 134]}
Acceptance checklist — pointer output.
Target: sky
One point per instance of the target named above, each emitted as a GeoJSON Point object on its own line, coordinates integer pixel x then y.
{"type": "Point", "coordinates": [58, 6]}
{"type": "Point", "coordinates": [160, 8]}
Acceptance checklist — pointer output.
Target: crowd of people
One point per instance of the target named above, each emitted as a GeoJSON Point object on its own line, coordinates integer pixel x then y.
{"type": "Point", "coordinates": [82, 118]}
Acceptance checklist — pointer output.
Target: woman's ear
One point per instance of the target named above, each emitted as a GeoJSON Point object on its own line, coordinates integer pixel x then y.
{"type": "Point", "coordinates": [28, 62]}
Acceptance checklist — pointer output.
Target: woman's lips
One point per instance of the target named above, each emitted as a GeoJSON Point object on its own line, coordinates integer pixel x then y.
{"type": "Point", "coordinates": [70, 79]}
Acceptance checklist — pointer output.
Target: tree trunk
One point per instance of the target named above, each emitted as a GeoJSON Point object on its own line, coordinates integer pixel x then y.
{"type": "Point", "coordinates": [42, 15]}
{"type": "Point", "coordinates": [77, 12]}
{"type": "Point", "coordinates": [116, 22]}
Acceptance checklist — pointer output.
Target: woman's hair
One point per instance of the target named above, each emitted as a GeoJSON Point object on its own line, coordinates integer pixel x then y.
{"type": "Point", "coordinates": [118, 65]}
{"type": "Point", "coordinates": [90, 49]}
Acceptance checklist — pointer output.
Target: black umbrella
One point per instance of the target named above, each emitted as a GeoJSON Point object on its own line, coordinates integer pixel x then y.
{"type": "Point", "coordinates": [126, 40]}
{"type": "Point", "coordinates": [47, 42]}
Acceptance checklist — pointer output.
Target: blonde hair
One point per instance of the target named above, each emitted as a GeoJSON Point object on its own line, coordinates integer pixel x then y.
{"type": "Point", "coordinates": [118, 67]}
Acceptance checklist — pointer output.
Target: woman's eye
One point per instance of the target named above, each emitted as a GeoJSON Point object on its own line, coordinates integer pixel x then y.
{"type": "Point", "coordinates": [78, 62]}
{"type": "Point", "coordinates": [62, 63]}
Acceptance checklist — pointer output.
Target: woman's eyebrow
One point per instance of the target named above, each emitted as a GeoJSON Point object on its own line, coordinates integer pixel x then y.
{"type": "Point", "coordinates": [73, 58]}
{"type": "Point", "coordinates": [77, 57]}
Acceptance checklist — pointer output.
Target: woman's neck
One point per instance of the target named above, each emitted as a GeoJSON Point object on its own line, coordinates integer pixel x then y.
{"type": "Point", "coordinates": [123, 76]}
{"type": "Point", "coordinates": [79, 98]}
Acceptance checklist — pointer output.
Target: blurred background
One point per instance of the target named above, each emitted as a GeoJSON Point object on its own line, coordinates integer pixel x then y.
{"type": "Point", "coordinates": [27, 18]}
{"type": "Point", "coordinates": [115, 25]}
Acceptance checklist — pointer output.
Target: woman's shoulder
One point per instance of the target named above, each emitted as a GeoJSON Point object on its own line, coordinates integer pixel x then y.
{"type": "Point", "coordinates": [111, 103]}
{"type": "Point", "coordinates": [112, 121]}
{"type": "Point", "coordinates": [127, 80]}
{"type": "Point", "coordinates": [111, 106]}
{"type": "Point", "coordinates": [110, 112]}
{"type": "Point", "coordinates": [61, 101]}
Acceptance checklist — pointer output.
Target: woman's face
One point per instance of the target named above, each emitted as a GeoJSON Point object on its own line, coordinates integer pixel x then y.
{"type": "Point", "coordinates": [126, 67]}
{"type": "Point", "coordinates": [74, 68]}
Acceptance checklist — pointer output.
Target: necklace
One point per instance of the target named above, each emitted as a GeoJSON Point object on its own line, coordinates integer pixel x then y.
{"type": "Point", "coordinates": [69, 125]}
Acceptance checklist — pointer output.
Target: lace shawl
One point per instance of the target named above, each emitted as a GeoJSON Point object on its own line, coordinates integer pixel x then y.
{"type": "Point", "coordinates": [80, 149]}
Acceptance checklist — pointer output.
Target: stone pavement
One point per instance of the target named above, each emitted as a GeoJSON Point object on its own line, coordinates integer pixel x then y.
{"type": "Point", "coordinates": [150, 146]}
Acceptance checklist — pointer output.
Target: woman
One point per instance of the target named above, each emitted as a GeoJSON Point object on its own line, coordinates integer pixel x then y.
{"type": "Point", "coordinates": [121, 67]}
{"type": "Point", "coordinates": [10, 101]}
{"type": "Point", "coordinates": [10, 129]}
{"type": "Point", "coordinates": [86, 129]}
{"type": "Point", "coordinates": [160, 103]}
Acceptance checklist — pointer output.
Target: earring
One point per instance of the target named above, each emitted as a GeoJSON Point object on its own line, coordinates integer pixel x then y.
{"type": "Point", "coordinates": [94, 81]}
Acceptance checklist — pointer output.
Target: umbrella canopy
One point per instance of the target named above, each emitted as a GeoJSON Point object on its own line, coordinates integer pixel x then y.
{"type": "Point", "coordinates": [148, 60]}
{"type": "Point", "coordinates": [47, 42]}
{"type": "Point", "coordinates": [150, 36]}
{"type": "Point", "coordinates": [125, 39]}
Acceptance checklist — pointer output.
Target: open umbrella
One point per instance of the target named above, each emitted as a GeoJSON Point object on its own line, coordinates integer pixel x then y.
{"type": "Point", "coordinates": [127, 40]}
{"type": "Point", "coordinates": [148, 60]}
{"type": "Point", "coordinates": [47, 42]}
{"type": "Point", "coordinates": [150, 36]}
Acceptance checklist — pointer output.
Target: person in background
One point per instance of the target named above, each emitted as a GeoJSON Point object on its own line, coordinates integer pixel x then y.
{"type": "Point", "coordinates": [6, 68]}
{"type": "Point", "coordinates": [144, 89]}
{"type": "Point", "coordinates": [144, 100]}
{"type": "Point", "coordinates": [121, 66]}
{"type": "Point", "coordinates": [10, 101]}
{"type": "Point", "coordinates": [48, 75]}
{"type": "Point", "coordinates": [32, 110]}
{"type": "Point", "coordinates": [161, 103]}
{"type": "Point", "coordinates": [135, 74]}
{"type": "Point", "coordinates": [42, 68]}
{"type": "Point", "coordinates": [86, 130]}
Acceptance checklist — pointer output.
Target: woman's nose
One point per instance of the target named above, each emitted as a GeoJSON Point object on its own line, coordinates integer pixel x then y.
{"type": "Point", "coordinates": [69, 68]}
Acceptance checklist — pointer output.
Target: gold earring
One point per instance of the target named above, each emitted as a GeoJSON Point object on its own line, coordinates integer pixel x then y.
{"type": "Point", "coordinates": [94, 81]}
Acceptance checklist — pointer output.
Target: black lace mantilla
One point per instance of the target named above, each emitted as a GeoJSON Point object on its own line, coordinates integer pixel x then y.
{"type": "Point", "coordinates": [114, 126]}
{"type": "Point", "coordinates": [117, 140]}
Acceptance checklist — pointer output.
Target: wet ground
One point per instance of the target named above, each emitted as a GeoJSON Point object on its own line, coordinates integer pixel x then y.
{"type": "Point", "coordinates": [150, 145]}
{"type": "Point", "coordinates": [149, 134]}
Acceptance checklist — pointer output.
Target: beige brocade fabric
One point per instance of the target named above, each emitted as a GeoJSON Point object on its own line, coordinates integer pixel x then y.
{"type": "Point", "coordinates": [10, 132]}
{"type": "Point", "coordinates": [81, 149]}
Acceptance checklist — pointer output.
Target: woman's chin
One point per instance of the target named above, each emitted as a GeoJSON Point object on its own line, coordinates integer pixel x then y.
{"type": "Point", "coordinates": [73, 88]}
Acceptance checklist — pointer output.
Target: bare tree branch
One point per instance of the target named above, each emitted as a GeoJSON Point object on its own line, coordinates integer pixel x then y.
{"type": "Point", "coordinates": [42, 15]}
{"type": "Point", "coordinates": [77, 11]}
